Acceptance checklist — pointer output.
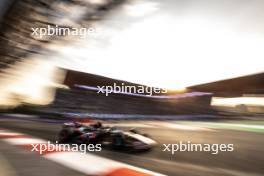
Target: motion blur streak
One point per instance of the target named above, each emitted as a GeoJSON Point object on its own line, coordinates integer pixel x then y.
{"type": "Point", "coordinates": [32, 81]}
{"type": "Point", "coordinates": [172, 44]}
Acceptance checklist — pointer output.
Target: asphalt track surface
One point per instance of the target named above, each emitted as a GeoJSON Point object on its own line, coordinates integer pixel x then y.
{"type": "Point", "coordinates": [246, 160]}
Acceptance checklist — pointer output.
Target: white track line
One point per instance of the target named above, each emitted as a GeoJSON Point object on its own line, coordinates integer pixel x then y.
{"type": "Point", "coordinates": [161, 125]}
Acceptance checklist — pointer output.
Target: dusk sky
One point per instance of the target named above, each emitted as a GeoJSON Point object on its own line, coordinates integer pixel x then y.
{"type": "Point", "coordinates": [174, 44]}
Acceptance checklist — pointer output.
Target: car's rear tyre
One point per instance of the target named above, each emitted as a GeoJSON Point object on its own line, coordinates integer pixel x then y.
{"type": "Point", "coordinates": [64, 136]}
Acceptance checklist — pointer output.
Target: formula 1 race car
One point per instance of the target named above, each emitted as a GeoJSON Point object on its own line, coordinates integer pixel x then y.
{"type": "Point", "coordinates": [108, 137]}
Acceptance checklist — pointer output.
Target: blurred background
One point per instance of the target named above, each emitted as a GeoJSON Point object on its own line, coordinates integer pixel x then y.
{"type": "Point", "coordinates": [208, 55]}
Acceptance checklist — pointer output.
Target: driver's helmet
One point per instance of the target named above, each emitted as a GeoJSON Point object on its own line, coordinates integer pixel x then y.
{"type": "Point", "coordinates": [98, 125]}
